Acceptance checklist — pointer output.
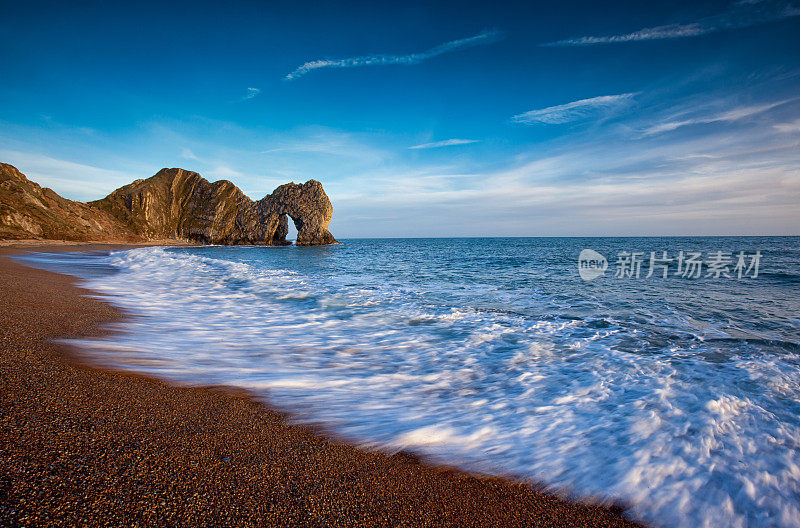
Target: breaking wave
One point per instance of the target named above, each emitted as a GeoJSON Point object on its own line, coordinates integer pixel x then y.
{"type": "Point", "coordinates": [682, 402]}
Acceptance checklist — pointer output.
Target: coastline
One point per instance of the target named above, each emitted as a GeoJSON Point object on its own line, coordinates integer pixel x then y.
{"type": "Point", "coordinates": [82, 444]}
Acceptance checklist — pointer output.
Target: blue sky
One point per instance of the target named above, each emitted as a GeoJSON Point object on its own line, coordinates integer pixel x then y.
{"type": "Point", "coordinates": [453, 119]}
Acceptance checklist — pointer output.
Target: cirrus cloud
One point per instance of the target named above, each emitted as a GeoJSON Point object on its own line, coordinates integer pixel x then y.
{"type": "Point", "coordinates": [484, 37]}
{"type": "Point", "coordinates": [576, 110]}
{"type": "Point", "coordinates": [251, 92]}
{"type": "Point", "coordinates": [743, 14]}
{"type": "Point", "coordinates": [445, 143]}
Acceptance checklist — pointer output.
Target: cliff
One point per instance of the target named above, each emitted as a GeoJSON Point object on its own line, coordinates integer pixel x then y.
{"type": "Point", "coordinates": [28, 210]}
{"type": "Point", "coordinates": [173, 204]}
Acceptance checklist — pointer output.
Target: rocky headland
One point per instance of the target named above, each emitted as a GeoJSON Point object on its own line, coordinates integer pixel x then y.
{"type": "Point", "coordinates": [175, 204]}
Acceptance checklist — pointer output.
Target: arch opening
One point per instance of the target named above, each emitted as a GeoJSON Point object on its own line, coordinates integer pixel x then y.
{"type": "Point", "coordinates": [291, 234]}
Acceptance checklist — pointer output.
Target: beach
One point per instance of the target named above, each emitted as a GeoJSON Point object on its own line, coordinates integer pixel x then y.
{"type": "Point", "coordinates": [83, 445]}
{"type": "Point", "coordinates": [400, 264]}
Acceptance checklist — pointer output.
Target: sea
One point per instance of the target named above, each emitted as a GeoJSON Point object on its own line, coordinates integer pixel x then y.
{"type": "Point", "coordinates": [662, 373]}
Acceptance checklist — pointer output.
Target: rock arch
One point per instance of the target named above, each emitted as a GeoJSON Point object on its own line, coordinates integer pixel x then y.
{"type": "Point", "coordinates": [180, 204]}
{"type": "Point", "coordinates": [309, 208]}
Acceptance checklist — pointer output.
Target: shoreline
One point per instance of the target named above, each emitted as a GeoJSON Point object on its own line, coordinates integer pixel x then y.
{"type": "Point", "coordinates": [84, 444]}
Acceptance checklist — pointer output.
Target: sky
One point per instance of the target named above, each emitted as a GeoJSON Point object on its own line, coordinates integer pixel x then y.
{"type": "Point", "coordinates": [424, 119]}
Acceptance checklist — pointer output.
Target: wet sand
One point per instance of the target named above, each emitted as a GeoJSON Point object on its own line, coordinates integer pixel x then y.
{"type": "Point", "coordinates": [84, 446]}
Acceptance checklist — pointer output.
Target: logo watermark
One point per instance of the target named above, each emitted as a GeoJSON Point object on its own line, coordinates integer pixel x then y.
{"type": "Point", "coordinates": [684, 264]}
{"type": "Point", "coordinates": [591, 264]}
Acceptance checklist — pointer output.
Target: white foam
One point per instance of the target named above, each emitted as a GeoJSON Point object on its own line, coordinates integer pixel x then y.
{"type": "Point", "coordinates": [687, 442]}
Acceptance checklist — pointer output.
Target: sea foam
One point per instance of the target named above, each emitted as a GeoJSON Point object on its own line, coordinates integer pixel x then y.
{"type": "Point", "coordinates": [605, 392]}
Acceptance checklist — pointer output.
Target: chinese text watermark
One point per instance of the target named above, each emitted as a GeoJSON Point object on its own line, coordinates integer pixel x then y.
{"type": "Point", "coordinates": [661, 264]}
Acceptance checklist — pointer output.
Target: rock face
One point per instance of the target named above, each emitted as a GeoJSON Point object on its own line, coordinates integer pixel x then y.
{"type": "Point", "coordinates": [307, 205]}
{"type": "Point", "coordinates": [28, 210]}
{"type": "Point", "coordinates": [180, 205]}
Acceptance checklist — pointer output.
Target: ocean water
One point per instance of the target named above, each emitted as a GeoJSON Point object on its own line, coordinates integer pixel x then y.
{"type": "Point", "coordinates": [680, 396]}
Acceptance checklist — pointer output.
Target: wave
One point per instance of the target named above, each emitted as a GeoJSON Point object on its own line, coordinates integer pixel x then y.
{"type": "Point", "coordinates": [564, 386]}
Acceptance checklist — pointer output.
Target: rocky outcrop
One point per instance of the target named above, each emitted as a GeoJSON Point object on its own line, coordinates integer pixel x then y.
{"type": "Point", "coordinates": [180, 205]}
{"type": "Point", "coordinates": [307, 205]}
{"type": "Point", "coordinates": [28, 210]}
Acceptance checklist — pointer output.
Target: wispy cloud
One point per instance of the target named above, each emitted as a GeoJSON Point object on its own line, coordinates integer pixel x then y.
{"type": "Point", "coordinates": [742, 14]}
{"type": "Point", "coordinates": [445, 143]}
{"type": "Point", "coordinates": [225, 173]}
{"type": "Point", "coordinates": [484, 37]}
{"type": "Point", "coordinates": [729, 116]}
{"type": "Point", "coordinates": [723, 184]}
{"type": "Point", "coordinates": [188, 154]}
{"type": "Point", "coordinates": [565, 113]}
{"type": "Point", "coordinates": [251, 92]}
{"type": "Point", "coordinates": [790, 127]}
{"type": "Point", "coordinates": [76, 181]}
